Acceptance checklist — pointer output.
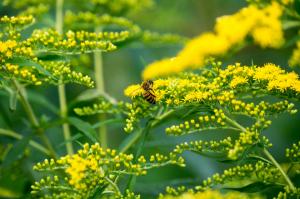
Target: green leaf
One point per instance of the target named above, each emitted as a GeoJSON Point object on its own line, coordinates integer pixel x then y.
{"type": "Point", "coordinates": [17, 151]}
{"type": "Point", "coordinates": [91, 94]}
{"type": "Point", "coordinates": [9, 193]}
{"type": "Point", "coordinates": [110, 121]}
{"type": "Point", "coordinates": [40, 99]}
{"type": "Point", "coordinates": [297, 6]}
{"type": "Point", "coordinates": [50, 57]}
{"type": "Point", "coordinates": [290, 24]}
{"type": "Point", "coordinates": [84, 127]}
{"type": "Point", "coordinates": [73, 138]}
{"type": "Point", "coordinates": [253, 187]}
{"type": "Point", "coordinates": [130, 140]}
{"type": "Point", "coordinates": [291, 41]}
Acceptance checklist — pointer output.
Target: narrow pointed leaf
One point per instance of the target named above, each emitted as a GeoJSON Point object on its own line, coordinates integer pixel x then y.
{"type": "Point", "coordinates": [84, 127]}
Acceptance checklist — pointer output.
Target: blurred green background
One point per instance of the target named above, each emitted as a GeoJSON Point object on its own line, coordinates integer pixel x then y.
{"type": "Point", "coordinates": [123, 67]}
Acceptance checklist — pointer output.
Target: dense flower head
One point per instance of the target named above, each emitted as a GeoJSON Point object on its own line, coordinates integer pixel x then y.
{"type": "Point", "coordinates": [11, 48]}
{"type": "Point", "coordinates": [22, 58]}
{"type": "Point", "coordinates": [17, 21]}
{"type": "Point", "coordinates": [222, 85]}
{"type": "Point", "coordinates": [263, 25]}
{"type": "Point", "coordinates": [72, 42]}
{"type": "Point", "coordinates": [93, 168]}
{"type": "Point", "coordinates": [214, 97]}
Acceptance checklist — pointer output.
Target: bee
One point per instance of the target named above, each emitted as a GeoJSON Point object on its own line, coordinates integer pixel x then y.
{"type": "Point", "coordinates": [148, 95]}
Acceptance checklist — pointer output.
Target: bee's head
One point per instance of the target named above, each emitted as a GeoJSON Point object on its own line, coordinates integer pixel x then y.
{"type": "Point", "coordinates": [150, 82]}
{"type": "Point", "coordinates": [147, 84]}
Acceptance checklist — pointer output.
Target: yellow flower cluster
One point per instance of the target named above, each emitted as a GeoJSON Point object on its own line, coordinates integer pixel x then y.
{"type": "Point", "coordinates": [212, 194]}
{"type": "Point", "coordinates": [216, 95]}
{"type": "Point", "coordinates": [77, 168]}
{"type": "Point", "coordinates": [188, 88]}
{"type": "Point", "coordinates": [277, 78]}
{"type": "Point", "coordinates": [238, 80]}
{"type": "Point", "coordinates": [71, 43]}
{"type": "Point", "coordinates": [25, 74]}
{"type": "Point", "coordinates": [11, 47]}
{"type": "Point", "coordinates": [93, 167]}
{"type": "Point", "coordinates": [17, 21]}
{"type": "Point", "coordinates": [203, 122]}
{"type": "Point", "coordinates": [61, 70]}
{"type": "Point", "coordinates": [111, 36]}
{"type": "Point", "coordinates": [36, 71]}
{"type": "Point", "coordinates": [263, 25]}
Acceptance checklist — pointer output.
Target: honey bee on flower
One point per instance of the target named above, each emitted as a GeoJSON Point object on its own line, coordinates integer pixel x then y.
{"type": "Point", "coordinates": [145, 89]}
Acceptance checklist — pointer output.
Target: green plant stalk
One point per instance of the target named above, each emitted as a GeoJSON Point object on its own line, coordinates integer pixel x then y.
{"type": "Point", "coordinates": [136, 136]}
{"type": "Point", "coordinates": [19, 137]}
{"type": "Point", "coordinates": [32, 118]}
{"type": "Point", "coordinates": [267, 153]}
{"type": "Point", "coordinates": [61, 86]}
{"type": "Point", "coordinates": [144, 135]}
{"type": "Point", "coordinates": [115, 187]}
{"type": "Point", "coordinates": [145, 132]}
{"type": "Point", "coordinates": [139, 133]}
{"type": "Point", "coordinates": [285, 176]}
{"type": "Point", "coordinates": [100, 87]}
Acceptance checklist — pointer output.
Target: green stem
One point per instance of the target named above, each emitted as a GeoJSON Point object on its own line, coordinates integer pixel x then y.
{"type": "Point", "coordinates": [59, 16]}
{"type": "Point", "coordinates": [285, 176]}
{"type": "Point", "coordinates": [100, 87]}
{"type": "Point", "coordinates": [19, 137]}
{"type": "Point", "coordinates": [61, 87]}
{"type": "Point", "coordinates": [115, 187]}
{"type": "Point", "coordinates": [32, 118]}
{"type": "Point", "coordinates": [134, 137]}
{"type": "Point", "coordinates": [63, 115]}
{"type": "Point", "coordinates": [234, 123]}
{"type": "Point", "coordinates": [139, 133]}
{"type": "Point", "coordinates": [267, 153]}
{"type": "Point", "coordinates": [144, 135]}
{"type": "Point", "coordinates": [132, 178]}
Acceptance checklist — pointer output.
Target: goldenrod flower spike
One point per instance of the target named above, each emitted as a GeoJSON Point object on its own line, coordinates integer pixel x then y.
{"type": "Point", "coordinates": [91, 167]}
{"type": "Point", "coordinates": [262, 24]}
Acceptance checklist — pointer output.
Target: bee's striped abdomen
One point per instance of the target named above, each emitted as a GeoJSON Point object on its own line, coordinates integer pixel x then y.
{"type": "Point", "coordinates": [149, 97]}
